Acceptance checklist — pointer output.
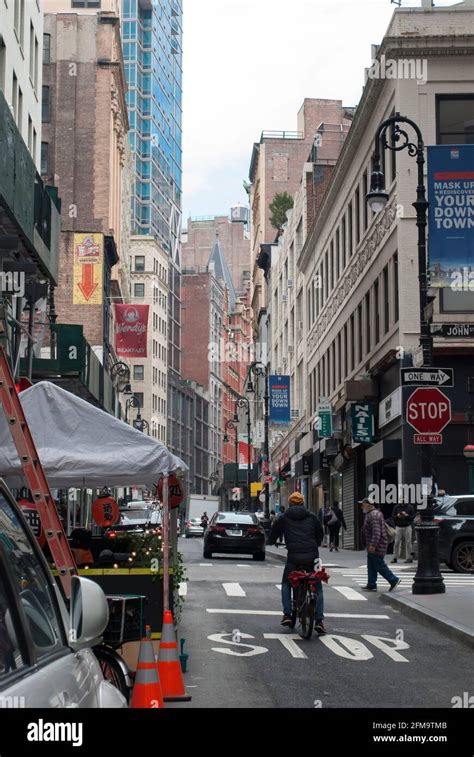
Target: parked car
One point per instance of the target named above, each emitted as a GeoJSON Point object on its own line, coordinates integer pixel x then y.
{"type": "Point", "coordinates": [235, 533]}
{"type": "Point", "coordinates": [193, 528]}
{"type": "Point", "coordinates": [455, 517]}
{"type": "Point", "coordinates": [46, 657]}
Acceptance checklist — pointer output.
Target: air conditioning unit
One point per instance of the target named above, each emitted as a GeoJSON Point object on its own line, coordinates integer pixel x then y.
{"type": "Point", "coordinates": [295, 413]}
{"type": "Point", "coordinates": [279, 371]}
{"type": "Point", "coordinates": [284, 360]}
{"type": "Point", "coordinates": [290, 283]}
{"type": "Point", "coordinates": [300, 325]}
{"type": "Point", "coordinates": [291, 348]}
{"type": "Point", "coordinates": [284, 298]}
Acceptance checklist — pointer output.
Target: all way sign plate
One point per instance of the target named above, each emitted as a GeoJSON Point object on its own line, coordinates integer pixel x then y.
{"type": "Point", "coordinates": [428, 377]}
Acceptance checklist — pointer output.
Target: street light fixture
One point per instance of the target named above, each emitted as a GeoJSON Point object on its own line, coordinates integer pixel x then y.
{"type": "Point", "coordinates": [120, 372]}
{"type": "Point", "coordinates": [259, 370]}
{"type": "Point", "coordinates": [428, 578]}
{"type": "Point", "coordinates": [140, 424]}
{"type": "Point", "coordinates": [245, 402]}
{"type": "Point", "coordinates": [131, 402]}
{"type": "Point", "coordinates": [233, 425]}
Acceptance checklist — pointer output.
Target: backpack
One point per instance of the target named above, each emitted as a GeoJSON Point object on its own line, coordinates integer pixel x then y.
{"type": "Point", "coordinates": [330, 519]}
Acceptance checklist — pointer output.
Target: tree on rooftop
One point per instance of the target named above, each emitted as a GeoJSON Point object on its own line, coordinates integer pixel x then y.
{"type": "Point", "coordinates": [281, 203]}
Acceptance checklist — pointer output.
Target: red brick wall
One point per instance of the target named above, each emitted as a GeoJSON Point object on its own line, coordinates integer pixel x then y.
{"type": "Point", "coordinates": [195, 311]}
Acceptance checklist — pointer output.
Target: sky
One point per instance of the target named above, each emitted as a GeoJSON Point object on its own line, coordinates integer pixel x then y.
{"type": "Point", "coordinates": [249, 64]}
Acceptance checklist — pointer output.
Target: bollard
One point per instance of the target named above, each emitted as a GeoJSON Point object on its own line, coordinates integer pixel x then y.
{"type": "Point", "coordinates": [183, 658]}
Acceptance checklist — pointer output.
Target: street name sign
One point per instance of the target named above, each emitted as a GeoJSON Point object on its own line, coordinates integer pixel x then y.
{"type": "Point", "coordinates": [428, 377]}
{"type": "Point", "coordinates": [453, 330]}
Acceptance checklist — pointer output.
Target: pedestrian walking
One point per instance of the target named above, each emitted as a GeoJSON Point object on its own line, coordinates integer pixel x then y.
{"type": "Point", "coordinates": [280, 514]}
{"type": "Point", "coordinates": [325, 514]}
{"type": "Point", "coordinates": [204, 521]}
{"type": "Point", "coordinates": [335, 523]}
{"type": "Point", "coordinates": [374, 532]}
{"type": "Point", "coordinates": [403, 516]}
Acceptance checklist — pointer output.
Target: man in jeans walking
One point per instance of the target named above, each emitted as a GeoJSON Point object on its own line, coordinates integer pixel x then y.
{"type": "Point", "coordinates": [375, 536]}
{"type": "Point", "coordinates": [303, 534]}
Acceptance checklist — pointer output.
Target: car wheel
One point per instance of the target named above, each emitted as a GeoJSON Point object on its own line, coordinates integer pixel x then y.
{"type": "Point", "coordinates": [207, 554]}
{"type": "Point", "coordinates": [463, 557]}
{"type": "Point", "coordinates": [259, 556]}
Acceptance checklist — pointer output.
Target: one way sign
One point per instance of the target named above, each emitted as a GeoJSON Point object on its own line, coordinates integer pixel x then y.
{"type": "Point", "coordinates": [428, 377]}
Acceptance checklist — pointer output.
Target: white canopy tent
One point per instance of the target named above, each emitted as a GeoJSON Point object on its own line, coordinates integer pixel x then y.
{"type": "Point", "coordinates": [81, 446]}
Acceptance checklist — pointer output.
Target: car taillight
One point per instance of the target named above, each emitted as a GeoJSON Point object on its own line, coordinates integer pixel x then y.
{"type": "Point", "coordinates": [437, 520]}
{"type": "Point", "coordinates": [254, 530]}
{"type": "Point", "coordinates": [217, 529]}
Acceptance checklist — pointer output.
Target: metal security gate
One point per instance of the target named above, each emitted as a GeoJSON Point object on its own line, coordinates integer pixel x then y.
{"type": "Point", "coordinates": [349, 504]}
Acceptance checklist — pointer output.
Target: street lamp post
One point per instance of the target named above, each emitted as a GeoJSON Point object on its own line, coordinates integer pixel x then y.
{"type": "Point", "coordinates": [233, 425]}
{"type": "Point", "coordinates": [244, 402]}
{"type": "Point", "coordinates": [131, 402]}
{"type": "Point", "coordinates": [428, 579]}
{"type": "Point", "coordinates": [140, 424]}
{"type": "Point", "coordinates": [258, 370]}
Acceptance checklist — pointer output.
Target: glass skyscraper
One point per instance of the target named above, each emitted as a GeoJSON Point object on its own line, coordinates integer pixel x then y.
{"type": "Point", "coordinates": [152, 49]}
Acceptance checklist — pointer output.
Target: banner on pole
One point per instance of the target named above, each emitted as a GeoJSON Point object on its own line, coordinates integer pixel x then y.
{"type": "Point", "coordinates": [131, 330]}
{"type": "Point", "coordinates": [280, 407]}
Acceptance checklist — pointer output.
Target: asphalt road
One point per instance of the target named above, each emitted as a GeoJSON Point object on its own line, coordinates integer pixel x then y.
{"type": "Point", "coordinates": [240, 655]}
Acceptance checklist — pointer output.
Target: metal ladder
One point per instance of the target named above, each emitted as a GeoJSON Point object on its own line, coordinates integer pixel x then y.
{"type": "Point", "coordinates": [34, 475]}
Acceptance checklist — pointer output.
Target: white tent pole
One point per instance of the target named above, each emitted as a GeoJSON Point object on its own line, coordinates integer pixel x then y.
{"type": "Point", "coordinates": [165, 542]}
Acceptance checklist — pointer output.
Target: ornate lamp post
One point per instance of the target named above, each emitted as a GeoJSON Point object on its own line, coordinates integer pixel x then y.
{"type": "Point", "coordinates": [259, 370]}
{"type": "Point", "coordinates": [428, 579]}
{"type": "Point", "coordinates": [233, 425]}
{"type": "Point", "coordinates": [239, 403]}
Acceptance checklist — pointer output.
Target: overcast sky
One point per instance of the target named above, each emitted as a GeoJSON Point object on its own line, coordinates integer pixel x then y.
{"type": "Point", "coordinates": [248, 65]}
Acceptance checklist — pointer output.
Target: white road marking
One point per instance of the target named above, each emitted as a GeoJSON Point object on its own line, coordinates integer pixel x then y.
{"type": "Point", "coordinates": [253, 648]}
{"type": "Point", "coordinates": [388, 646]}
{"type": "Point", "coordinates": [278, 612]}
{"type": "Point", "coordinates": [183, 589]}
{"type": "Point", "coordinates": [242, 565]}
{"type": "Point", "coordinates": [206, 565]}
{"type": "Point", "coordinates": [345, 647]}
{"type": "Point", "coordinates": [288, 640]}
{"type": "Point", "coordinates": [278, 586]}
{"type": "Point", "coordinates": [234, 590]}
{"type": "Point", "coordinates": [350, 593]}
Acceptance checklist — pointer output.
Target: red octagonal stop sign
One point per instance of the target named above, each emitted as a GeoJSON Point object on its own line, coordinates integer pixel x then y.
{"type": "Point", "coordinates": [428, 410]}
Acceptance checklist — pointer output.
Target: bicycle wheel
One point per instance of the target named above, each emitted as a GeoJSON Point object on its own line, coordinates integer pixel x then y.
{"type": "Point", "coordinates": [307, 610]}
{"type": "Point", "coordinates": [112, 671]}
{"type": "Point", "coordinates": [294, 608]}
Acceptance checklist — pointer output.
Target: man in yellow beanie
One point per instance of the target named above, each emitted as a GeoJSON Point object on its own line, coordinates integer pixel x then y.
{"type": "Point", "coordinates": [303, 534]}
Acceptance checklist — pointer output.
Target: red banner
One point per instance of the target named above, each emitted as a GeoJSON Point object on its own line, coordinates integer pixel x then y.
{"type": "Point", "coordinates": [131, 330]}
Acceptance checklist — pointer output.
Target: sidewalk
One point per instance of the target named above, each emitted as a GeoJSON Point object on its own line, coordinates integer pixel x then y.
{"type": "Point", "coordinates": [452, 613]}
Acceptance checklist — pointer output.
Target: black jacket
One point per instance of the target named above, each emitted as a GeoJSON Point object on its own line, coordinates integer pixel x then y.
{"type": "Point", "coordinates": [403, 520]}
{"type": "Point", "coordinates": [302, 531]}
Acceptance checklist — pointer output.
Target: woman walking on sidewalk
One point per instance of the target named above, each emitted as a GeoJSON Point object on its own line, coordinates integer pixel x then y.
{"type": "Point", "coordinates": [374, 532]}
{"type": "Point", "coordinates": [335, 523]}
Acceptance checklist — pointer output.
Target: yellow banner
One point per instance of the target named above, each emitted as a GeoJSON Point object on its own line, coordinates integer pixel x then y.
{"type": "Point", "coordinates": [88, 269]}
{"type": "Point", "coordinates": [255, 489]}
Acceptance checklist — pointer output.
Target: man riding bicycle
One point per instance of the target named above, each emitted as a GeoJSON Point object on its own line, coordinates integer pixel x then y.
{"type": "Point", "coordinates": [303, 534]}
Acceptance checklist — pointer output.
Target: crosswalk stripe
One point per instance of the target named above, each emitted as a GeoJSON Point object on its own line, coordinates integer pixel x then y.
{"type": "Point", "coordinates": [350, 593]}
{"type": "Point", "coordinates": [234, 590]}
{"type": "Point", "coordinates": [278, 612]}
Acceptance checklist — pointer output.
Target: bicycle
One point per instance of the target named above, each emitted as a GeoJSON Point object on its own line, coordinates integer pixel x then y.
{"type": "Point", "coordinates": [304, 581]}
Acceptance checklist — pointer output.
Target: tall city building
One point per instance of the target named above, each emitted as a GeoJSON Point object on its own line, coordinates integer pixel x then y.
{"type": "Point", "coordinates": [152, 49]}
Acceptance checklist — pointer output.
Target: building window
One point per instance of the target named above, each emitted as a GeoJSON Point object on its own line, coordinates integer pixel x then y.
{"type": "Point", "coordinates": [360, 332]}
{"type": "Point", "coordinates": [44, 158]}
{"type": "Point", "coordinates": [45, 104]}
{"type": "Point", "coordinates": [368, 322]}
{"type": "Point", "coordinates": [395, 287]}
{"type": "Point", "coordinates": [138, 372]}
{"type": "Point", "coordinates": [139, 396]}
{"type": "Point", "coordinates": [139, 263]}
{"type": "Point", "coordinates": [46, 48]}
{"type": "Point", "coordinates": [139, 290]}
{"type": "Point", "coordinates": [85, 3]}
{"type": "Point", "coordinates": [455, 119]}
{"type": "Point", "coordinates": [349, 229]}
{"type": "Point", "coordinates": [386, 301]}
{"type": "Point", "coordinates": [357, 215]}
{"type": "Point", "coordinates": [376, 313]}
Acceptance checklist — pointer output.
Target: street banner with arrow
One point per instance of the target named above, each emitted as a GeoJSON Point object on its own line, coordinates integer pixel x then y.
{"type": "Point", "coordinates": [428, 377]}
{"type": "Point", "coordinates": [88, 269]}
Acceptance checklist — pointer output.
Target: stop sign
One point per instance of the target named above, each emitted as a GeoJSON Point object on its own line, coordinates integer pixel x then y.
{"type": "Point", "coordinates": [428, 410]}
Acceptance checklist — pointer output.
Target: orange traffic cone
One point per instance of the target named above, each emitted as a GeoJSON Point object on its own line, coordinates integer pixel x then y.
{"type": "Point", "coordinates": [169, 665]}
{"type": "Point", "coordinates": [147, 692]}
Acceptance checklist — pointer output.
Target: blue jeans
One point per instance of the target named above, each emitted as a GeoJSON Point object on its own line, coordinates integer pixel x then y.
{"type": "Point", "coordinates": [286, 592]}
{"type": "Point", "coordinates": [376, 564]}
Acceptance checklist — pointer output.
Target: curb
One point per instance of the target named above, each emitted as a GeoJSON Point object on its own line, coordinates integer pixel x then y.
{"type": "Point", "coordinates": [452, 629]}
{"type": "Point", "coordinates": [280, 555]}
